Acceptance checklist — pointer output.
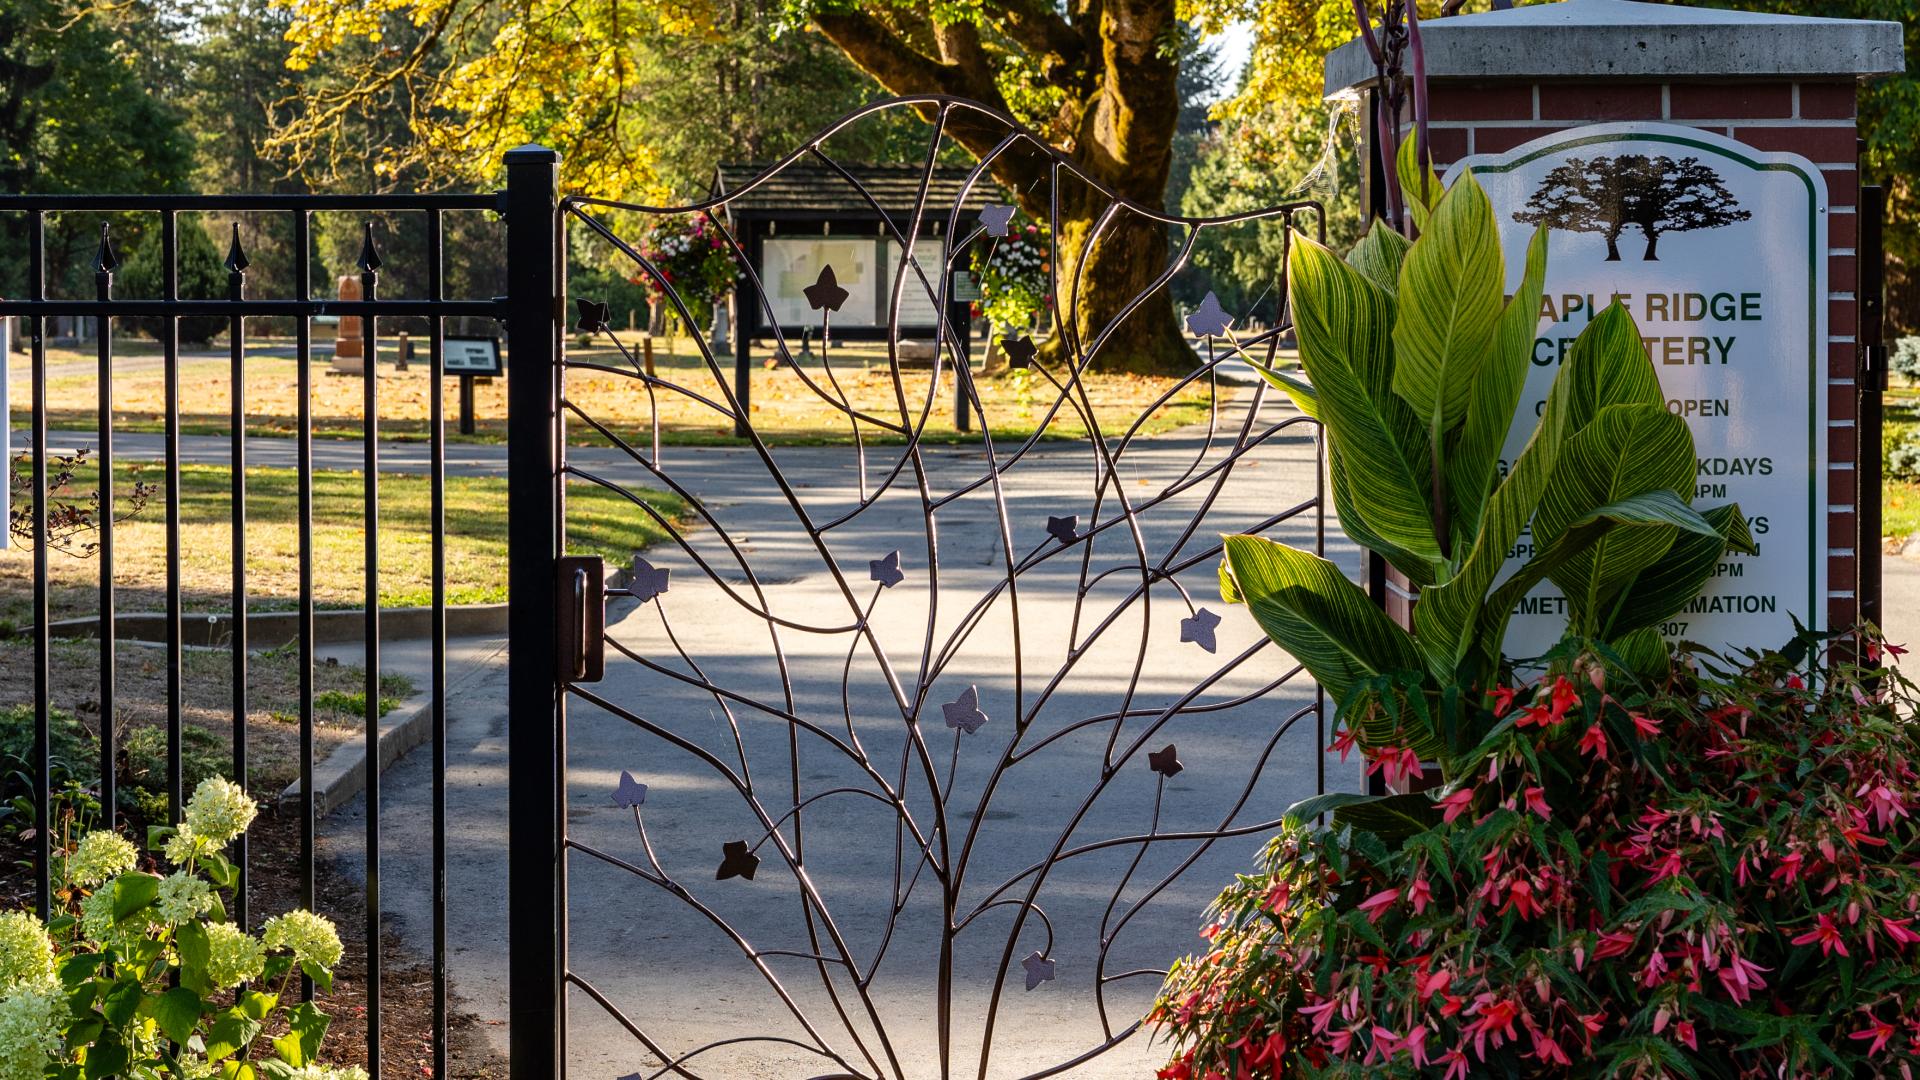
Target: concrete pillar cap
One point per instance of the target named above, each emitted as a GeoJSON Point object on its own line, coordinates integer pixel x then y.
{"type": "Point", "coordinates": [1602, 39]}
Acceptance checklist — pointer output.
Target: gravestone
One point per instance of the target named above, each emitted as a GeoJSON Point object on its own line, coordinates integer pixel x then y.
{"type": "Point", "coordinates": [1700, 166]}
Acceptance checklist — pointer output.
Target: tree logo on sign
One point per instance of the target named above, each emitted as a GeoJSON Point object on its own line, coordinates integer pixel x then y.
{"type": "Point", "coordinates": [1655, 194]}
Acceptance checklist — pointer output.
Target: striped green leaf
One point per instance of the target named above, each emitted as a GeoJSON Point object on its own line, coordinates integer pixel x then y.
{"type": "Point", "coordinates": [1300, 390]}
{"type": "Point", "coordinates": [1648, 510]}
{"type": "Point", "coordinates": [1627, 450]}
{"type": "Point", "coordinates": [1665, 588]}
{"type": "Point", "coordinates": [1420, 188]}
{"type": "Point", "coordinates": [1474, 460]}
{"type": "Point", "coordinates": [1342, 322]}
{"type": "Point", "coordinates": [1448, 303]}
{"type": "Point", "coordinates": [1380, 254]}
{"type": "Point", "coordinates": [1310, 609]}
{"type": "Point", "coordinates": [1610, 367]}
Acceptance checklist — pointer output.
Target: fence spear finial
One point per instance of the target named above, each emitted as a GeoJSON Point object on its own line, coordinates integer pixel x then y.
{"type": "Point", "coordinates": [237, 261]}
{"type": "Point", "coordinates": [105, 261]}
{"type": "Point", "coordinates": [369, 257]}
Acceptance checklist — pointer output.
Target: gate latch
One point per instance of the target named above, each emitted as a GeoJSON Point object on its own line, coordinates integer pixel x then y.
{"type": "Point", "coordinates": [581, 623]}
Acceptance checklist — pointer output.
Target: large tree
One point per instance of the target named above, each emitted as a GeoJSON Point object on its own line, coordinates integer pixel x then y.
{"type": "Point", "coordinates": [1096, 77]}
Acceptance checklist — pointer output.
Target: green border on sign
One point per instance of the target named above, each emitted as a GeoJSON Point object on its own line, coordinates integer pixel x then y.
{"type": "Point", "coordinates": [1816, 361]}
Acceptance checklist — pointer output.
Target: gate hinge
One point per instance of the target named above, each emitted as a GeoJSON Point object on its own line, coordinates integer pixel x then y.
{"type": "Point", "coordinates": [1873, 368]}
{"type": "Point", "coordinates": [581, 618]}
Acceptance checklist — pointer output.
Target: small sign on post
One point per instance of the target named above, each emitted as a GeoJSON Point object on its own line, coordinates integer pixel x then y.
{"type": "Point", "coordinates": [470, 357]}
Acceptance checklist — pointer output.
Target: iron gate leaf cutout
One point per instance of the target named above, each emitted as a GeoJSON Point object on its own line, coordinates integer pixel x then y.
{"type": "Point", "coordinates": [1039, 969]}
{"type": "Point", "coordinates": [1209, 319]}
{"type": "Point", "coordinates": [964, 712]}
{"type": "Point", "coordinates": [1199, 627]}
{"type": "Point", "coordinates": [1063, 528]}
{"type": "Point", "coordinates": [649, 581]}
{"type": "Point", "coordinates": [736, 861]}
{"type": "Point", "coordinates": [593, 315]}
{"type": "Point", "coordinates": [631, 793]}
{"type": "Point", "coordinates": [886, 570]}
{"type": "Point", "coordinates": [825, 292]}
{"type": "Point", "coordinates": [1165, 761]}
{"type": "Point", "coordinates": [1020, 351]}
{"type": "Point", "coordinates": [994, 218]}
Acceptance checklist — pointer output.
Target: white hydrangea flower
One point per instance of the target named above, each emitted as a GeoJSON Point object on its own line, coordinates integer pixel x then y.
{"type": "Point", "coordinates": [220, 810]}
{"type": "Point", "coordinates": [185, 845]}
{"type": "Point", "coordinates": [329, 1072]}
{"type": "Point", "coordinates": [26, 953]}
{"type": "Point", "coordinates": [234, 957]}
{"type": "Point", "coordinates": [183, 897]}
{"type": "Point", "coordinates": [97, 923]}
{"type": "Point", "coordinates": [100, 856]}
{"type": "Point", "coordinates": [29, 1032]}
{"type": "Point", "coordinates": [309, 937]}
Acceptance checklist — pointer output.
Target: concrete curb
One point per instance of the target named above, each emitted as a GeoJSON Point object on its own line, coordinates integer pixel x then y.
{"type": "Point", "coordinates": [270, 629]}
{"type": "Point", "coordinates": [343, 774]}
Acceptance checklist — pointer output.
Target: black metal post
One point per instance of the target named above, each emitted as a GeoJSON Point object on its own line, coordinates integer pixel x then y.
{"type": "Point", "coordinates": [746, 302]}
{"type": "Point", "coordinates": [466, 404]}
{"type": "Point", "coordinates": [959, 318]}
{"type": "Point", "coordinates": [1870, 383]}
{"type": "Point", "coordinates": [534, 765]}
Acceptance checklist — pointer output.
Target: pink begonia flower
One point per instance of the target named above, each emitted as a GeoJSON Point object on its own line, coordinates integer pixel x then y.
{"type": "Point", "coordinates": [1502, 699]}
{"type": "Point", "coordinates": [1594, 742]}
{"type": "Point", "coordinates": [1897, 930]}
{"type": "Point", "coordinates": [1415, 1044]}
{"type": "Point", "coordinates": [1322, 1014]}
{"type": "Point", "coordinates": [1563, 698]}
{"type": "Point", "coordinates": [1420, 894]}
{"type": "Point", "coordinates": [1789, 868]}
{"type": "Point", "coordinates": [1827, 934]}
{"type": "Point", "coordinates": [1546, 1050]}
{"type": "Point", "coordinates": [1880, 1032]}
{"type": "Point", "coordinates": [1343, 741]}
{"type": "Point", "coordinates": [1341, 1042]}
{"type": "Point", "coordinates": [1741, 977]}
{"type": "Point", "coordinates": [1684, 1032]}
{"type": "Point", "coordinates": [1647, 728]}
{"type": "Point", "coordinates": [1537, 802]}
{"type": "Point", "coordinates": [1428, 984]}
{"type": "Point", "coordinates": [1397, 764]}
{"type": "Point", "coordinates": [1385, 1042]}
{"type": "Point", "coordinates": [1456, 1062]}
{"type": "Point", "coordinates": [1883, 802]}
{"type": "Point", "coordinates": [1456, 804]}
{"type": "Point", "coordinates": [1376, 905]}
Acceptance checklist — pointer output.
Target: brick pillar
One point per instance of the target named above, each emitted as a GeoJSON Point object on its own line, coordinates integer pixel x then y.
{"type": "Point", "coordinates": [1774, 83]}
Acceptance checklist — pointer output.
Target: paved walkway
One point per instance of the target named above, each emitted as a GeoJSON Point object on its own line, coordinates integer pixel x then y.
{"type": "Point", "coordinates": [632, 939]}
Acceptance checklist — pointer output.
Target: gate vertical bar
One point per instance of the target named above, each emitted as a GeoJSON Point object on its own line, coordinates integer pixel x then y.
{"type": "Point", "coordinates": [370, 797]}
{"type": "Point", "coordinates": [437, 524]}
{"type": "Point", "coordinates": [535, 922]}
{"type": "Point", "coordinates": [42, 647]}
{"type": "Point", "coordinates": [1871, 382]}
{"type": "Point", "coordinates": [237, 493]}
{"type": "Point", "coordinates": [103, 267]}
{"type": "Point", "coordinates": [176, 647]}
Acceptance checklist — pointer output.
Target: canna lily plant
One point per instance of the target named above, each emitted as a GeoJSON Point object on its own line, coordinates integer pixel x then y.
{"type": "Point", "coordinates": [1416, 360]}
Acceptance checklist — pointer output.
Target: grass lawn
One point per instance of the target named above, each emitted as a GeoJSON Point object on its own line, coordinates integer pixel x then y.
{"type": "Point", "coordinates": [599, 522]}
{"type": "Point", "coordinates": [785, 410]}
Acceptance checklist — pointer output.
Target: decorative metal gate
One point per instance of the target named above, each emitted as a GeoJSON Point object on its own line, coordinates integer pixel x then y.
{"type": "Point", "coordinates": [910, 755]}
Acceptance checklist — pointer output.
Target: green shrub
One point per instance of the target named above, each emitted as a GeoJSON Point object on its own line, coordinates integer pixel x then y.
{"type": "Point", "coordinates": [143, 767]}
{"type": "Point", "coordinates": [203, 276]}
{"type": "Point", "coordinates": [1900, 452]}
{"type": "Point", "coordinates": [71, 756]}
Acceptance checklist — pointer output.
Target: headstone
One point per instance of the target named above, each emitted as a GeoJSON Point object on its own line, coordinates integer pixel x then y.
{"type": "Point", "coordinates": [1744, 125]}
{"type": "Point", "coordinates": [349, 344]}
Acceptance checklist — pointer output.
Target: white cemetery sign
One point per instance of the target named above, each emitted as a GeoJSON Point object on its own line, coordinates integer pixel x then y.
{"type": "Point", "coordinates": [1719, 252]}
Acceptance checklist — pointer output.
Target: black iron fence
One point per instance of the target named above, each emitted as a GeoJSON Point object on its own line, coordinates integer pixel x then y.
{"type": "Point", "coordinates": [1129, 521]}
{"type": "Point", "coordinates": [105, 311]}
